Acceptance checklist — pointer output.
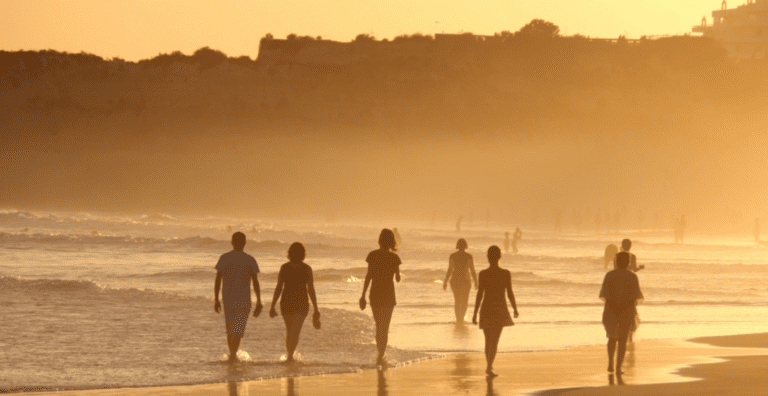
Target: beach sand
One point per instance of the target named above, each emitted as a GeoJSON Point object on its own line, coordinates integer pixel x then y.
{"type": "Point", "coordinates": [735, 366]}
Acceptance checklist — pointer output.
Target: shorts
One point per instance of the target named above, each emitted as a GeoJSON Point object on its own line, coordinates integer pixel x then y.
{"type": "Point", "coordinates": [236, 317]}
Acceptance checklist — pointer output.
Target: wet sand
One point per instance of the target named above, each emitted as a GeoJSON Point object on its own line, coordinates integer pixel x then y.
{"type": "Point", "coordinates": [736, 366]}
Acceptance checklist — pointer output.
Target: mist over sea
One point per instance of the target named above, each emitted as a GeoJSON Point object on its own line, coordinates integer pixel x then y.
{"type": "Point", "coordinates": [111, 300]}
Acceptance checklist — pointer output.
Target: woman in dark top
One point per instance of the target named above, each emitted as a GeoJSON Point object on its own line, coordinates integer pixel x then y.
{"type": "Point", "coordinates": [460, 267]}
{"type": "Point", "coordinates": [492, 303]}
{"type": "Point", "coordinates": [383, 265]}
{"type": "Point", "coordinates": [295, 282]}
{"type": "Point", "coordinates": [621, 293]}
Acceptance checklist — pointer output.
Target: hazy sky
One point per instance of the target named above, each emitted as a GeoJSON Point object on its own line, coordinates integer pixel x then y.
{"type": "Point", "coordinates": [140, 29]}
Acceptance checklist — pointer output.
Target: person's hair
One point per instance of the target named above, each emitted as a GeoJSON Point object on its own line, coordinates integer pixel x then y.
{"type": "Point", "coordinates": [238, 239]}
{"type": "Point", "coordinates": [297, 253]}
{"type": "Point", "coordinates": [387, 240]}
{"type": "Point", "coordinates": [461, 244]}
{"type": "Point", "coordinates": [626, 244]}
{"type": "Point", "coordinates": [622, 260]}
{"type": "Point", "coordinates": [494, 254]}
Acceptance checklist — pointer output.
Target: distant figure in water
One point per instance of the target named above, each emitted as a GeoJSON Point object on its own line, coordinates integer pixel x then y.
{"type": "Point", "coordinates": [460, 267]}
{"type": "Point", "coordinates": [492, 303]}
{"type": "Point", "coordinates": [506, 242]}
{"type": "Point", "coordinates": [621, 293]}
{"type": "Point", "coordinates": [458, 224]}
{"type": "Point", "coordinates": [680, 229]}
{"type": "Point", "coordinates": [254, 230]}
{"type": "Point", "coordinates": [757, 232]}
{"type": "Point", "coordinates": [294, 282]}
{"type": "Point", "coordinates": [229, 228]}
{"type": "Point", "coordinates": [610, 255]}
{"type": "Point", "coordinates": [383, 265]}
{"type": "Point", "coordinates": [398, 240]}
{"type": "Point", "coordinates": [236, 270]}
{"type": "Point", "coordinates": [517, 237]}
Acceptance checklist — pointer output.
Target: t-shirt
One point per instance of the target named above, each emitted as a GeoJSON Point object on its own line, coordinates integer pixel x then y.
{"type": "Point", "coordinates": [382, 266]}
{"type": "Point", "coordinates": [621, 289]}
{"type": "Point", "coordinates": [236, 268]}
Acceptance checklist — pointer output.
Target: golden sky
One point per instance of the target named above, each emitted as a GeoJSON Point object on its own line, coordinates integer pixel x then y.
{"type": "Point", "coordinates": [141, 29]}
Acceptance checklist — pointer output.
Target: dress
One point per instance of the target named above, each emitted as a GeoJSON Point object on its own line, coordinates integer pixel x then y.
{"type": "Point", "coordinates": [294, 299]}
{"type": "Point", "coordinates": [621, 292]}
{"type": "Point", "coordinates": [236, 269]}
{"type": "Point", "coordinates": [382, 267]}
{"type": "Point", "coordinates": [493, 309]}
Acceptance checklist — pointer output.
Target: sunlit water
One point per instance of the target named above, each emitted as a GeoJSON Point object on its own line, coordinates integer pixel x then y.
{"type": "Point", "coordinates": [131, 304]}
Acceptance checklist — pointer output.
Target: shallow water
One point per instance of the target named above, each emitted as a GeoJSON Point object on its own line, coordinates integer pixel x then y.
{"type": "Point", "coordinates": [131, 303]}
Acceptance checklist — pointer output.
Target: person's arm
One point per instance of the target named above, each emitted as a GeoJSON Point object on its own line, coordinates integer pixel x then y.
{"type": "Point", "coordinates": [311, 290]}
{"type": "Point", "coordinates": [368, 278]}
{"type": "Point", "coordinates": [478, 300]}
{"type": "Point", "coordinates": [216, 289]}
{"type": "Point", "coordinates": [511, 295]}
{"type": "Point", "coordinates": [448, 273]}
{"type": "Point", "coordinates": [472, 270]}
{"type": "Point", "coordinates": [278, 291]}
{"type": "Point", "coordinates": [257, 290]}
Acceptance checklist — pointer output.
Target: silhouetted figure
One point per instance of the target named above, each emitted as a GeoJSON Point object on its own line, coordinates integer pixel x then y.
{"type": "Point", "coordinates": [506, 242]}
{"type": "Point", "coordinates": [229, 228]}
{"type": "Point", "coordinates": [757, 232]}
{"type": "Point", "coordinates": [460, 267]}
{"type": "Point", "coordinates": [610, 256]}
{"type": "Point", "coordinates": [492, 303]}
{"type": "Point", "coordinates": [626, 244]}
{"type": "Point", "coordinates": [680, 229]}
{"type": "Point", "coordinates": [458, 224]}
{"type": "Point", "coordinates": [517, 237]}
{"type": "Point", "coordinates": [236, 270]}
{"type": "Point", "coordinates": [295, 283]}
{"type": "Point", "coordinates": [621, 293]}
{"type": "Point", "coordinates": [383, 265]}
{"type": "Point", "coordinates": [398, 240]}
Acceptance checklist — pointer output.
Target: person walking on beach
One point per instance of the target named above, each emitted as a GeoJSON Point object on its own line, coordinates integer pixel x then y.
{"type": "Point", "coordinates": [294, 283]}
{"type": "Point", "coordinates": [236, 270]}
{"type": "Point", "coordinates": [383, 265]}
{"type": "Point", "coordinates": [492, 303]}
{"type": "Point", "coordinates": [460, 266]}
{"type": "Point", "coordinates": [626, 244]}
{"type": "Point", "coordinates": [621, 293]}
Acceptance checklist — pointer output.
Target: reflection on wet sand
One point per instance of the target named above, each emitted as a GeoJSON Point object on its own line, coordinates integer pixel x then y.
{"type": "Point", "coordinates": [490, 391]}
{"type": "Point", "coordinates": [289, 386]}
{"type": "Point", "coordinates": [382, 384]}
{"type": "Point", "coordinates": [462, 374]}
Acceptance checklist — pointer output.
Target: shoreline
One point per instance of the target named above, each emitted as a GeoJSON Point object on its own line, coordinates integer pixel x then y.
{"type": "Point", "coordinates": [670, 366]}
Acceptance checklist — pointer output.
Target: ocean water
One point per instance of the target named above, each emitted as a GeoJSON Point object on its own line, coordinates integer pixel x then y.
{"type": "Point", "coordinates": [92, 300]}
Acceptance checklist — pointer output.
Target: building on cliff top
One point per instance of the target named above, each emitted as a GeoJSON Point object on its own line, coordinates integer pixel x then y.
{"type": "Point", "coordinates": [743, 30]}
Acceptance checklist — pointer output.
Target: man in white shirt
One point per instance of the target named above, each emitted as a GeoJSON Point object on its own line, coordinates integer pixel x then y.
{"type": "Point", "coordinates": [236, 270]}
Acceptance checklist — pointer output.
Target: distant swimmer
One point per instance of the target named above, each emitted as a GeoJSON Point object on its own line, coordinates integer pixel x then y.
{"type": "Point", "coordinates": [458, 224]}
{"type": "Point", "coordinates": [294, 284]}
{"type": "Point", "coordinates": [757, 232]}
{"type": "Point", "coordinates": [495, 286]}
{"type": "Point", "coordinates": [506, 242]}
{"type": "Point", "coordinates": [460, 267]}
{"type": "Point", "coordinates": [254, 230]}
{"type": "Point", "coordinates": [383, 265]}
{"type": "Point", "coordinates": [517, 237]}
{"type": "Point", "coordinates": [610, 255]}
{"type": "Point", "coordinates": [236, 270]}
{"type": "Point", "coordinates": [621, 293]}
